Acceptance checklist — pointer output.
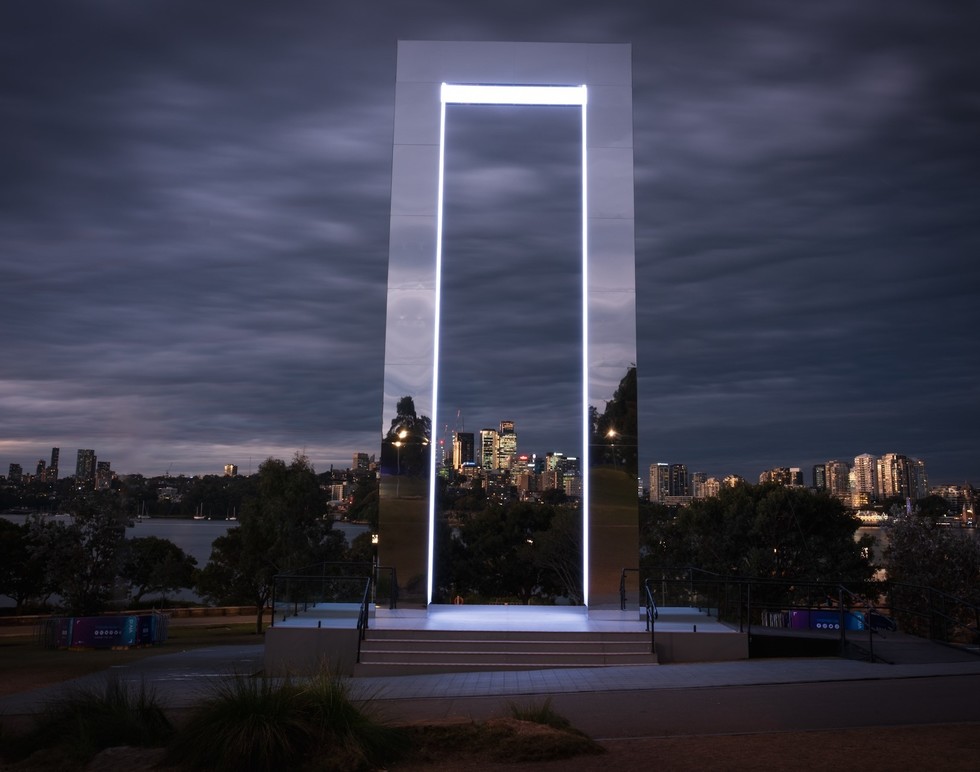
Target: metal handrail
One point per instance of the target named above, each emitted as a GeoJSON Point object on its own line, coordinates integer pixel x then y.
{"type": "Point", "coordinates": [393, 596]}
{"type": "Point", "coordinates": [842, 590]}
{"type": "Point", "coordinates": [937, 603]}
{"type": "Point", "coordinates": [651, 616]}
{"type": "Point", "coordinates": [363, 616]}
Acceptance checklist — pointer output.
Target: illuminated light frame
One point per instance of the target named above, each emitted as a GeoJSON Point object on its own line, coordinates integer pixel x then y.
{"type": "Point", "coordinates": [536, 96]}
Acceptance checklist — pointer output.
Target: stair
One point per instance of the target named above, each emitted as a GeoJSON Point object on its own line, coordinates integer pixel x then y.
{"type": "Point", "coordinates": [406, 652]}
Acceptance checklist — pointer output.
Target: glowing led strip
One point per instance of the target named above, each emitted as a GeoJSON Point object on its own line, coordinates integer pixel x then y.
{"type": "Point", "coordinates": [474, 94]}
{"type": "Point", "coordinates": [459, 93]}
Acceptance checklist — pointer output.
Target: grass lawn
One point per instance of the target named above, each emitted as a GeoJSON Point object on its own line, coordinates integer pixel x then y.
{"type": "Point", "coordinates": [26, 666]}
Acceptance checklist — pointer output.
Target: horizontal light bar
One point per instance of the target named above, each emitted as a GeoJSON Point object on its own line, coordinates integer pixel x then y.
{"type": "Point", "coordinates": [470, 94]}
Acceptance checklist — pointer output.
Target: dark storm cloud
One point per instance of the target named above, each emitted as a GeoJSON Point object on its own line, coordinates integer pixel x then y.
{"type": "Point", "coordinates": [802, 207]}
{"type": "Point", "coordinates": [194, 209]}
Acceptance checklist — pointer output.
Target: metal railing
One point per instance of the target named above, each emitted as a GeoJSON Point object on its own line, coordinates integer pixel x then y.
{"type": "Point", "coordinates": [300, 586]}
{"type": "Point", "coordinates": [363, 615]}
{"type": "Point", "coordinates": [652, 612]}
{"type": "Point", "coordinates": [294, 594]}
{"type": "Point", "coordinates": [744, 603]}
{"type": "Point", "coordinates": [934, 614]}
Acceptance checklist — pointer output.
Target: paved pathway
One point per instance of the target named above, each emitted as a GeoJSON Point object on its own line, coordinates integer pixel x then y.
{"type": "Point", "coordinates": [658, 700]}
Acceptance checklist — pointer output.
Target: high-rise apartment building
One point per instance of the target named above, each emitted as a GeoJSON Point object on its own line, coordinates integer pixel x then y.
{"type": "Point", "coordinates": [231, 470]}
{"type": "Point", "coordinates": [786, 476]}
{"type": "Point", "coordinates": [704, 487]}
{"type": "Point", "coordinates": [679, 484]}
{"type": "Point", "coordinates": [361, 463]}
{"type": "Point", "coordinates": [15, 473]}
{"type": "Point", "coordinates": [659, 482]}
{"type": "Point", "coordinates": [103, 475]}
{"type": "Point", "coordinates": [864, 481]}
{"type": "Point", "coordinates": [39, 472]}
{"type": "Point", "coordinates": [53, 466]}
{"type": "Point", "coordinates": [838, 479]}
{"type": "Point", "coordinates": [901, 476]}
{"type": "Point", "coordinates": [85, 466]}
{"type": "Point", "coordinates": [697, 483]}
{"type": "Point", "coordinates": [820, 477]}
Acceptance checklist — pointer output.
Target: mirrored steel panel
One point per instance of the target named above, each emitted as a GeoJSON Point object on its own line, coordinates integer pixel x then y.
{"type": "Point", "coordinates": [606, 374]}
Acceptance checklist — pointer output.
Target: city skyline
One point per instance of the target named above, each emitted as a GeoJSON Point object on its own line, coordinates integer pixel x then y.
{"type": "Point", "coordinates": [195, 207]}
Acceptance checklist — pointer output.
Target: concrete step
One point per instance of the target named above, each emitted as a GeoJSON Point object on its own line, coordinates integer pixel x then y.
{"type": "Point", "coordinates": [400, 652]}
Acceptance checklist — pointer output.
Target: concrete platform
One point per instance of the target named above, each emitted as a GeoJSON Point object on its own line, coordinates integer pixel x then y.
{"type": "Point", "coordinates": [438, 638]}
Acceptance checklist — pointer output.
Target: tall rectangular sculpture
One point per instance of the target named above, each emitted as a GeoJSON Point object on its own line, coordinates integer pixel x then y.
{"type": "Point", "coordinates": [594, 79]}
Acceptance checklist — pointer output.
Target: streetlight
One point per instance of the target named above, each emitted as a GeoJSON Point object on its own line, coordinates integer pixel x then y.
{"type": "Point", "coordinates": [398, 456]}
{"type": "Point", "coordinates": [374, 567]}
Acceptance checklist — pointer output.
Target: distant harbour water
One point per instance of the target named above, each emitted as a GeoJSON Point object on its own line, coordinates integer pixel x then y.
{"type": "Point", "coordinates": [193, 536]}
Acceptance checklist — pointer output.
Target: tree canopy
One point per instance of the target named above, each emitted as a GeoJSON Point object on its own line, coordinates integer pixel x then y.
{"type": "Point", "coordinates": [152, 565]}
{"type": "Point", "coordinates": [759, 531]}
{"type": "Point", "coordinates": [281, 528]}
{"type": "Point", "coordinates": [523, 551]}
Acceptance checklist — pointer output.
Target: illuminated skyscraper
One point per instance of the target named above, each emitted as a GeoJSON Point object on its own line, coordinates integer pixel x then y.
{"type": "Point", "coordinates": [85, 466]}
{"type": "Point", "coordinates": [462, 449]}
{"type": "Point", "coordinates": [53, 466]}
{"type": "Point", "coordinates": [489, 448]}
{"type": "Point", "coordinates": [506, 445]}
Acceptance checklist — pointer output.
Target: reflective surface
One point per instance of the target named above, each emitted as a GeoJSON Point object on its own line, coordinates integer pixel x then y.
{"type": "Point", "coordinates": [412, 312]}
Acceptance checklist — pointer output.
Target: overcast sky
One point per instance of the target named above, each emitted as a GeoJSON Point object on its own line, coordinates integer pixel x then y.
{"type": "Point", "coordinates": [194, 203]}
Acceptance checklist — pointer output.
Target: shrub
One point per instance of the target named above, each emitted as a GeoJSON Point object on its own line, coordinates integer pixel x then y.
{"type": "Point", "coordinates": [88, 719]}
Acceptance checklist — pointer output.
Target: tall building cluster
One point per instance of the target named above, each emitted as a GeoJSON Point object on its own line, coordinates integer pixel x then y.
{"type": "Point", "coordinates": [858, 483]}
{"type": "Point", "coordinates": [673, 484]}
{"type": "Point", "coordinates": [869, 478]}
{"type": "Point", "coordinates": [490, 459]}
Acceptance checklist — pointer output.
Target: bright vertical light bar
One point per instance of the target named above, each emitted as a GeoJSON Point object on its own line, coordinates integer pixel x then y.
{"type": "Point", "coordinates": [585, 354]}
{"type": "Point", "coordinates": [478, 94]}
{"type": "Point", "coordinates": [435, 357]}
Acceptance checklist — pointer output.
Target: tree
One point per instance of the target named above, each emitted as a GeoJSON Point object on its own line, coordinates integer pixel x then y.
{"type": "Point", "coordinates": [364, 505]}
{"type": "Point", "coordinates": [558, 552]}
{"type": "Point", "coordinates": [404, 448]}
{"type": "Point", "coordinates": [764, 531]}
{"type": "Point", "coordinates": [20, 577]}
{"type": "Point", "coordinates": [919, 552]}
{"type": "Point", "coordinates": [154, 565]}
{"type": "Point", "coordinates": [613, 441]}
{"type": "Point", "coordinates": [499, 554]}
{"type": "Point", "coordinates": [89, 573]}
{"type": "Point", "coordinates": [281, 528]}
{"type": "Point", "coordinates": [50, 548]}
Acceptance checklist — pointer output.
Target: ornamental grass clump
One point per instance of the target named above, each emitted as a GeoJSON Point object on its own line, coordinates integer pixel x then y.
{"type": "Point", "coordinates": [87, 720]}
{"type": "Point", "coordinates": [256, 724]}
{"type": "Point", "coordinates": [541, 713]}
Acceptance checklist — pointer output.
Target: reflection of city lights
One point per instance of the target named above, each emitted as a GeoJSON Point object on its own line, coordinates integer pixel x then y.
{"type": "Point", "coordinates": [457, 93]}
